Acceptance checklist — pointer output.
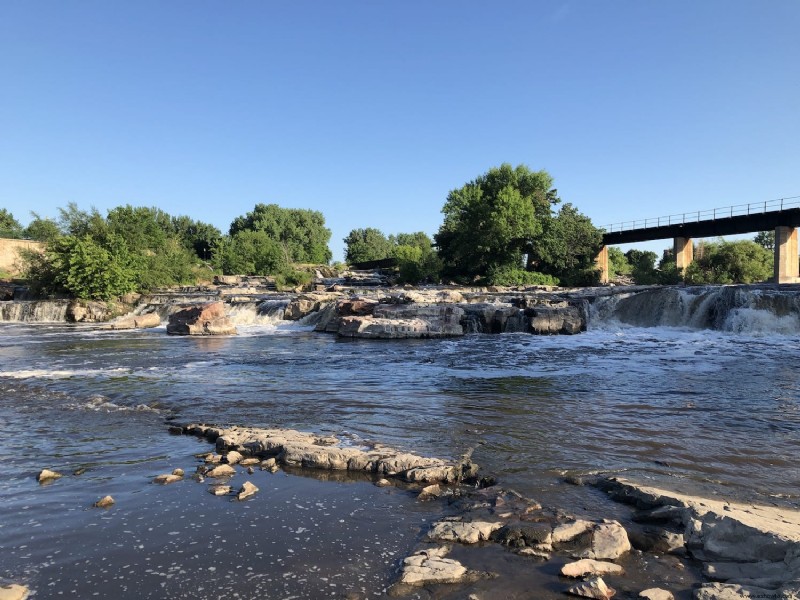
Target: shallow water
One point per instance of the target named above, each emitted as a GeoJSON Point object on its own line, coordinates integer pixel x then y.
{"type": "Point", "coordinates": [688, 408]}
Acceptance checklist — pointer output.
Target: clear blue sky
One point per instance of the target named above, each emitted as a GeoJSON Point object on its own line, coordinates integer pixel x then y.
{"type": "Point", "coordinates": [372, 111]}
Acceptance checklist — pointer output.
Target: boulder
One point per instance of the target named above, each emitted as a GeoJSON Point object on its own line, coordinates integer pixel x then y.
{"type": "Point", "coordinates": [569, 531]}
{"type": "Point", "coordinates": [46, 475]}
{"type": "Point", "coordinates": [549, 320]}
{"type": "Point", "coordinates": [656, 594]}
{"type": "Point", "coordinates": [104, 502]}
{"type": "Point", "coordinates": [14, 592]}
{"type": "Point", "coordinates": [470, 532]}
{"type": "Point", "coordinates": [201, 319]}
{"type": "Point", "coordinates": [166, 478]}
{"type": "Point", "coordinates": [221, 471]}
{"type": "Point", "coordinates": [726, 591]}
{"type": "Point", "coordinates": [609, 541]}
{"type": "Point", "coordinates": [588, 566]}
{"type": "Point", "coordinates": [592, 588]}
{"type": "Point", "coordinates": [219, 489]}
{"type": "Point", "coordinates": [233, 457]}
{"type": "Point", "coordinates": [81, 311]}
{"type": "Point", "coordinates": [247, 490]}
{"type": "Point", "coordinates": [400, 321]}
{"type": "Point", "coordinates": [135, 322]}
{"type": "Point", "coordinates": [429, 567]}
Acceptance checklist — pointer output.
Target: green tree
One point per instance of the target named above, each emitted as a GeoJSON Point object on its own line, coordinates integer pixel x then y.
{"type": "Point", "coordinates": [618, 264]}
{"type": "Point", "coordinates": [249, 252]}
{"type": "Point", "coordinates": [643, 266]}
{"type": "Point", "coordinates": [301, 233]}
{"type": "Point", "coordinates": [741, 261]}
{"type": "Point", "coordinates": [765, 239]}
{"type": "Point", "coordinates": [42, 230]}
{"type": "Point", "coordinates": [9, 226]}
{"type": "Point", "coordinates": [568, 247]}
{"type": "Point", "coordinates": [492, 222]}
{"type": "Point", "coordinates": [362, 245]}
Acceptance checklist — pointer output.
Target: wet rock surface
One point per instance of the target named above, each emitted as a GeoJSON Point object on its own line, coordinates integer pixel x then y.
{"type": "Point", "coordinates": [201, 319]}
{"type": "Point", "coordinates": [14, 591]}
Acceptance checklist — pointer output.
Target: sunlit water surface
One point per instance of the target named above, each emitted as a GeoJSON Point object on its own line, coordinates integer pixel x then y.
{"type": "Point", "coordinates": [688, 409]}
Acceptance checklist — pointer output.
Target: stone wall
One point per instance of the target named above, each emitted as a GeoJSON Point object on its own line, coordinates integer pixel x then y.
{"type": "Point", "coordinates": [8, 253]}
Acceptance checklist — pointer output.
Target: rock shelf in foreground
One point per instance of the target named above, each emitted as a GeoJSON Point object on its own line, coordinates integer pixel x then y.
{"type": "Point", "coordinates": [296, 448]}
{"type": "Point", "coordinates": [750, 550]}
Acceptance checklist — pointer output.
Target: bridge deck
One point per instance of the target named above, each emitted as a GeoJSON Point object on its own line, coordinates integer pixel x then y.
{"type": "Point", "coordinates": [722, 225]}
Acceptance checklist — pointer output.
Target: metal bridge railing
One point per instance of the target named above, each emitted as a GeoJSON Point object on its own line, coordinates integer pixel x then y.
{"type": "Point", "coordinates": [737, 210]}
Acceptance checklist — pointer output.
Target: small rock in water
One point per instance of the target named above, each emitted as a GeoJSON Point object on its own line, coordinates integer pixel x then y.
{"type": "Point", "coordinates": [250, 470]}
{"type": "Point", "coordinates": [534, 553]}
{"type": "Point", "coordinates": [233, 457]}
{"type": "Point", "coordinates": [46, 475]}
{"type": "Point", "coordinates": [175, 430]}
{"type": "Point", "coordinates": [247, 490]}
{"type": "Point", "coordinates": [383, 482]}
{"type": "Point", "coordinates": [221, 471]}
{"type": "Point", "coordinates": [430, 492]}
{"type": "Point", "coordinates": [248, 462]}
{"type": "Point", "coordinates": [104, 502]}
{"type": "Point", "coordinates": [167, 478]}
{"type": "Point", "coordinates": [592, 588]}
{"type": "Point", "coordinates": [656, 594]}
{"type": "Point", "coordinates": [609, 541]}
{"type": "Point", "coordinates": [569, 531]}
{"type": "Point", "coordinates": [465, 532]}
{"type": "Point", "coordinates": [268, 463]}
{"type": "Point", "coordinates": [219, 489]}
{"type": "Point", "coordinates": [14, 592]}
{"type": "Point", "coordinates": [587, 566]}
{"type": "Point", "coordinates": [212, 458]}
{"type": "Point", "coordinates": [79, 471]}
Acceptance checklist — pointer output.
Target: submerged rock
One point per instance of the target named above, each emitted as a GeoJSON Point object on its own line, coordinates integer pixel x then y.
{"type": "Point", "coordinates": [201, 319]}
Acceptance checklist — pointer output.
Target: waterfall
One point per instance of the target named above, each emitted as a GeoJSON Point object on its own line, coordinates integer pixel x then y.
{"type": "Point", "coordinates": [257, 312]}
{"type": "Point", "coordinates": [34, 311]}
{"type": "Point", "coordinates": [739, 309]}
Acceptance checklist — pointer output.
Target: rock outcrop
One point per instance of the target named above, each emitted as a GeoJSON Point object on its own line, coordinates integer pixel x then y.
{"type": "Point", "coordinates": [201, 319]}
{"type": "Point", "coordinates": [750, 550]}
{"type": "Point", "coordinates": [295, 448]}
{"type": "Point", "coordinates": [135, 322]}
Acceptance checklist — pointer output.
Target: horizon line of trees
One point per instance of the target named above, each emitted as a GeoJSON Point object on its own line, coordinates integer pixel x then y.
{"type": "Point", "coordinates": [508, 226]}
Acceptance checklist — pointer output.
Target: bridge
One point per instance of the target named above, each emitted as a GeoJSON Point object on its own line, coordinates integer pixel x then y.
{"type": "Point", "coordinates": [782, 216]}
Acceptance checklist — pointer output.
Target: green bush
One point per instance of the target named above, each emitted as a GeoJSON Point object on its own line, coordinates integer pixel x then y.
{"type": "Point", "coordinates": [515, 277]}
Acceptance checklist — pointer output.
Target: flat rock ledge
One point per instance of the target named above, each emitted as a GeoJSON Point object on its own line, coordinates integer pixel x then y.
{"type": "Point", "coordinates": [300, 449]}
{"type": "Point", "coordinates": [750, 551]}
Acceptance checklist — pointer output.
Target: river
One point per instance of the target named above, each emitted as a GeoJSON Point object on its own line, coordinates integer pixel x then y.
{"type": "Point", "coordinates": [716, 411]}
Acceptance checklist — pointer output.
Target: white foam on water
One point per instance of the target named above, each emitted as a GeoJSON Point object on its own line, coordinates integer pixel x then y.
{"type": "Point", "coordinates": [63, 373]}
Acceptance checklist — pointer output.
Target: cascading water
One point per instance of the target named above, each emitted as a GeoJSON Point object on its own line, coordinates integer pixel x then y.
{"type": "Point", "coordinates": [257, 312]}
{"type": "Point", "coordinates": [34, 311]}
{"type": "Point", "coordinates": [730, 308]}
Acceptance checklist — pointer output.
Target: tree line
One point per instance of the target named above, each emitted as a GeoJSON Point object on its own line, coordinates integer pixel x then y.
{"type": "Point", "coordinates": [508, 226]}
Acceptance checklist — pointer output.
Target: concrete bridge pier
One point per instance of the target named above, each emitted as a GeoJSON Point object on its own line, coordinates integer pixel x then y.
{"type": "Point", "coordinates": [601, 263]}
{"type": "Point", "coordinates": [787, 265]}
{"type": "Point", "coordinates": [683, 248]}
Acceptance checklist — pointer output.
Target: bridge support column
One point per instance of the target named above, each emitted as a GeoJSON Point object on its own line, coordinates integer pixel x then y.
{"type": "Point", "coordinates": [786, 261]}
{"type": "Point", "coordinates": [601, 263]}
{"type": "Point", "coordinates": [683, 248]}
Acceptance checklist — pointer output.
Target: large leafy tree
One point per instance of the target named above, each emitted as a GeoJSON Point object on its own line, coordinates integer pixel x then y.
{"type": "Point", "coordinates": [301, 233]}
{"type": "Point", "coordinates": [362, 245]}
{"type": "Point", "coordinates": [9, 226]}
{"type": "Point", "coordinates": [42, 229]}
{"type": "Point", "coordinates": [741, 261]}
{"type": "Point", "coordinates": [250, 252]}
{"type": "Point", "coordinates": [567, 247]}
{"type": "Point", "coordinates": [491, 222]}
